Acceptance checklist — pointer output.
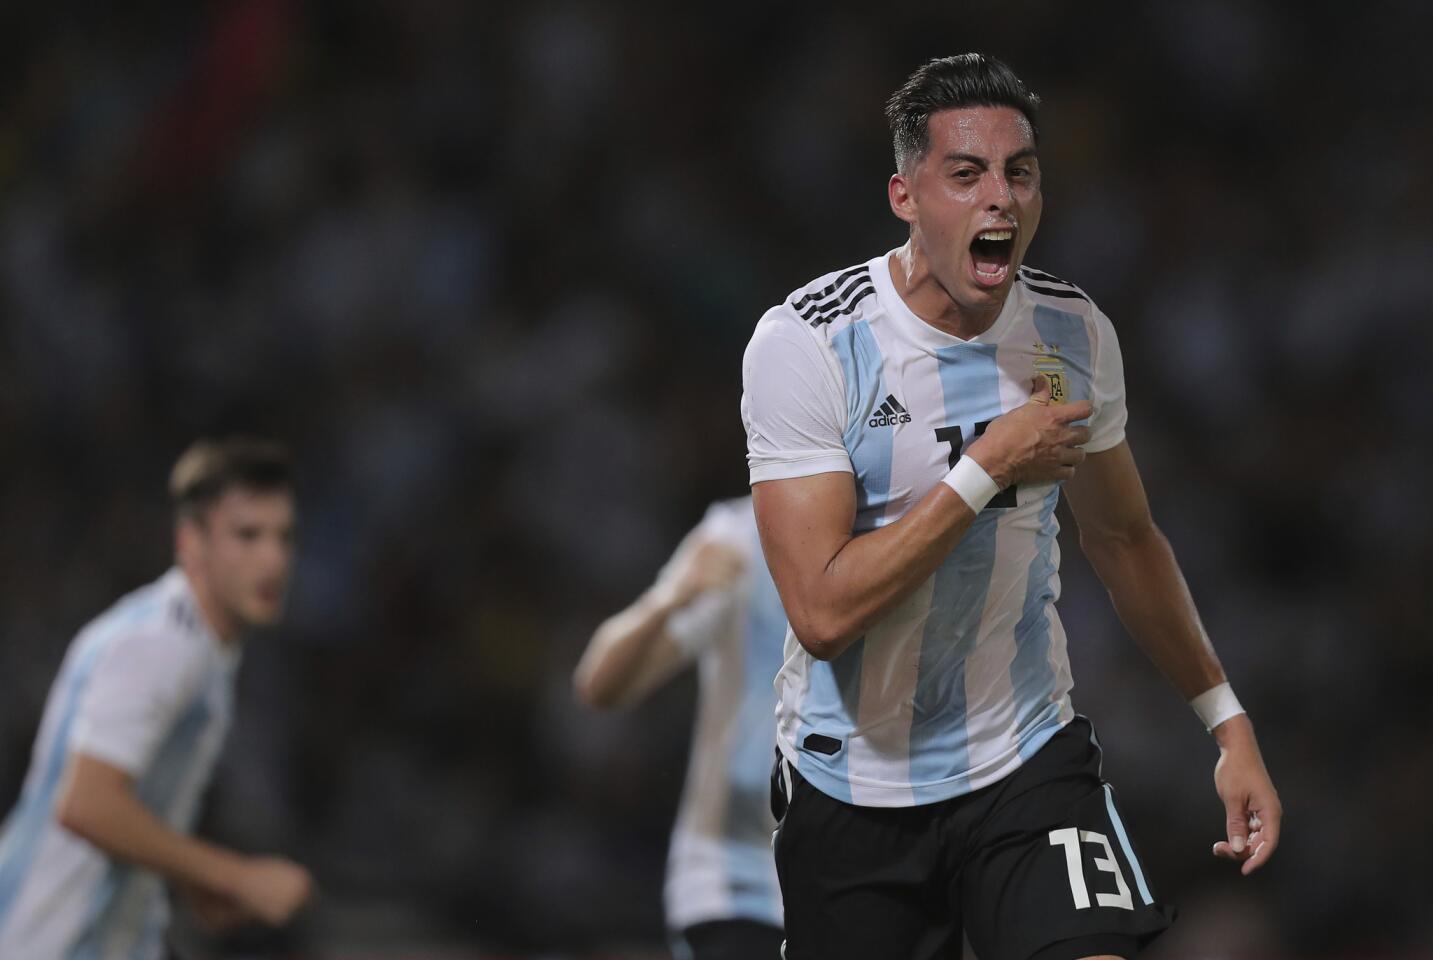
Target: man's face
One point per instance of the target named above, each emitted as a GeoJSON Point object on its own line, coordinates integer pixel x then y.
{"type": "Point", "coordinates": [976, 201]}
{"type": "Point", "coordinates": [243, 547]}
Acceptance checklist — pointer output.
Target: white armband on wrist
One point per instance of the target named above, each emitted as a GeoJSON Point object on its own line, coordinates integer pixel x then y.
{"type": "Point", "coordinates": [1216, 705]}
{"type": "Point", "coordinates": [971, 483]}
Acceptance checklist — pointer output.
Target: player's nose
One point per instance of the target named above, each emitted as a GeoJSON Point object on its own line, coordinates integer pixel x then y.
{"type": "Point", "coordinates": [998, 195]}
{"type": "Point", "coordinates": [277, 553]}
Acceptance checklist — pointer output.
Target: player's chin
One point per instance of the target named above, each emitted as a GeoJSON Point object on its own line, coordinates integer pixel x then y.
{"type": "Point", "coordinates": [985, 290]}
{"type": "Point", "coordinates": [264, 611]}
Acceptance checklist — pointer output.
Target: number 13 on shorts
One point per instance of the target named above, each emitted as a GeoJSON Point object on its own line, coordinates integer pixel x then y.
{"type": "Point", "coordinates": [1073, 839]}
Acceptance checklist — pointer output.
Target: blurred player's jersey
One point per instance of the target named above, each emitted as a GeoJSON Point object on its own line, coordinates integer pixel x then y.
{"type": "Point", "coordinates": [966, 676]}
{"type": "Point", "coordinates": [146, 687]}
{"type": "Point", "coordinates": [721, 866]}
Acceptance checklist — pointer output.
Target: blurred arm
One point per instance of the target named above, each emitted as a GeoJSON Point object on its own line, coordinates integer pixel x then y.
{"type": "Point", "coordinates": [1137, 565]}
{"type": "Point", "coordinates": [635, 651]}
{"type": "Point", "coordinates": [98, 804]}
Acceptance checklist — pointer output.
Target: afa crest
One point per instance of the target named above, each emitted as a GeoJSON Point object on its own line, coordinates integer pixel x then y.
{"type": "Point", "coordinates": [1054, 369]}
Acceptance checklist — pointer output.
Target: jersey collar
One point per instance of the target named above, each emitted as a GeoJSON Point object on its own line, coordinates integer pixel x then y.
{"type": "Point", "coordinates": [926, 336]}
{"type": "Point", "coordinates": [176, 582]}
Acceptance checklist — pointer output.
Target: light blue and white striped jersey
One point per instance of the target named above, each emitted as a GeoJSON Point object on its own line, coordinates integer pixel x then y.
{"type": "Point", "coordinates": [149, 688]}
{"type": "Point", "coordinates": [720, 866]}
{"type": "Point", "coordinates": [966, 676]}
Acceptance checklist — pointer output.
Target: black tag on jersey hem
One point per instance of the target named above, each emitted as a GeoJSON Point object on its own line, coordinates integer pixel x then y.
{"type": "Point", "coordinates": [820, 743]}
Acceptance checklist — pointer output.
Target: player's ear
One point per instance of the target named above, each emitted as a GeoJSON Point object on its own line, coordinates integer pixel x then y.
{"type": "Point", "coordinates": [898, 191]}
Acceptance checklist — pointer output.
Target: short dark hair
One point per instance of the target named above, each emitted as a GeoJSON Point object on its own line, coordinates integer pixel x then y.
{"type": "Point", "coordinates": [211, 468]}
{"type": "Point", "coordinates": [964, 80]}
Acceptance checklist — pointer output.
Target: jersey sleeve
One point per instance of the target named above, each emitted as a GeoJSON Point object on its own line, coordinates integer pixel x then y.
{"type": "Point", "coordinates": [139, 684]}
{"type": "Point", "coordinates": [792, 404]}
{"type": "Point", "coordinates": [1107, 422]}
{"type": "Point", "coordinates": [696, 626]}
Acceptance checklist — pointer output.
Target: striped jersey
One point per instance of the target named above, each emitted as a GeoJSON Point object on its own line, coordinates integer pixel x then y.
{"type": "Point", "coordinates": [720, 865]}
{"type": "Point", "coordinates": [148, 688]}
{"type": "Point", "coordinates": [967, 675]}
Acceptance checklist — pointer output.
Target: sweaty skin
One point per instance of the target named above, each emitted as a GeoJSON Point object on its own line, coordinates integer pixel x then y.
{"type": "Point", "coordinates": [981, 173]}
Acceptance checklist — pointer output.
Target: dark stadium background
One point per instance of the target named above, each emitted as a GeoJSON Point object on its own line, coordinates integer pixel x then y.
{"type": "Point", "coordinates": [490, 271]}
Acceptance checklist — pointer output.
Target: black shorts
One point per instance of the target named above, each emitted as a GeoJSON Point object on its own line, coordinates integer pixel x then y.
{"type": "Point", "coordinates": [729, 940]}
{"type": "Point", "coordinates": [1036, 867]}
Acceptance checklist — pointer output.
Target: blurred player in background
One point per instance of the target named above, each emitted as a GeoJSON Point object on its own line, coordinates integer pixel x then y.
{"type": "Point", "coordinates": [713, 603]}
{"type": "Point", "coordinates": [910, 423]}
{"type": "Point", "coordinates": [132, 728]}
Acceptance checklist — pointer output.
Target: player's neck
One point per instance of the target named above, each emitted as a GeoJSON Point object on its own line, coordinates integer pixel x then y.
{"type": "Point", "coordinates": [221, 623]}
{"type": "Point", "coordinates": [929, 300]}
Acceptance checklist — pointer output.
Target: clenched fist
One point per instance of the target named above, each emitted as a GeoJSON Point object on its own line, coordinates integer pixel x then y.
{"type": "Point", "coordinates": [1036, 442]}
{"type": "Point", "coordinates": [272, 889]}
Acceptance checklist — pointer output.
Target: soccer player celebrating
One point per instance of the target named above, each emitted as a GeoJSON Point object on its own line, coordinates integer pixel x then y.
{"type": "Point", "coordinates": [132, 728]}
{"type": "Point", "coordinates": [911, 422]}
{"type": "Point", "coordinates": [713, 603]}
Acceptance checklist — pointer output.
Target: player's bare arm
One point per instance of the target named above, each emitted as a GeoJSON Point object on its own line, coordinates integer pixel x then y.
{"type": "Point", "coordinates": [834, 584]}
{"type": "Point", "coordinates": [632, 654]}
{"type": "Point", "coordinates": [1137, 565]}
{"type": "Point", "coordinates": [98, 804]}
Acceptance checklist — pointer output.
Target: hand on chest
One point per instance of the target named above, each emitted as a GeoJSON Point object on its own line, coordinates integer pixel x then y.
{"type": "Point", "coordinates": [910, 425]}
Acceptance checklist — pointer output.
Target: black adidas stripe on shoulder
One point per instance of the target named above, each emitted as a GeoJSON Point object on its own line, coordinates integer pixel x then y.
{"type": "Point", "coordinates": [1043, 277]}
{"type": "Point", "coordinates": [1068, 293]}
{"type": "Point", "coordinates": [835, 308]}
{"type": "Point", "coordinates": [182, 615]}
{"type": "Point", "coordinates": [1050, 285]}
{"type": "Point", "coordinates": [837, 298]}
{"type": "Point", "coordinates": [829, 289]}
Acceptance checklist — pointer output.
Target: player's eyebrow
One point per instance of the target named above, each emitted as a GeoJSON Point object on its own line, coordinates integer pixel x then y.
{"type": "Point", "coordinates": [984, 164]}
{"type": "Point", "coordinates": [957, 157]}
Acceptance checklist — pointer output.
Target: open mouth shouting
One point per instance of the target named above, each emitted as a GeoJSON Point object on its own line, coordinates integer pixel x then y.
{"type": "Point", "coordinates": [990, 254]}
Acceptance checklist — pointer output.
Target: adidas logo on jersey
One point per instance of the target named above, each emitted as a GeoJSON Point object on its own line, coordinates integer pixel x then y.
{"type": "Point", "coordinates": [890, 413]}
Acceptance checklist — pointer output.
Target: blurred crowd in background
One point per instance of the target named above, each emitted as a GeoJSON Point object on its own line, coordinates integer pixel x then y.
{"type": "Point", "coordinates": [490, 269]}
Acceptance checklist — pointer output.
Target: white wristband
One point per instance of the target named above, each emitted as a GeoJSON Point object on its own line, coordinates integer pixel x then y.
{"type": "Point", "coordinates": [1216, 705]}
{"type": "Point", "coordinates": [970, 481]}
